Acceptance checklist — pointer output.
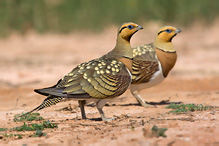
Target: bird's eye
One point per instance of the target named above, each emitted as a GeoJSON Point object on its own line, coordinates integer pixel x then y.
{"type": "Point", "coordinates": [168, 30]}
{"type": "Point", "coordinates": [130, 27]}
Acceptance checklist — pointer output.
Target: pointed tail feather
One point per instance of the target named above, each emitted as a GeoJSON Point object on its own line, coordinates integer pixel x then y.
{"type": "Point", "coordinates": [50, 100]}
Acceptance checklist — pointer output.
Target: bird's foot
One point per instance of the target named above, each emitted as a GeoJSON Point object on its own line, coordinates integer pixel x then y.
{"type": "Point", "coordinates": [108, 119]}
{"type": "Point", "coordinates": [141, 101]}
{"type": "Point", "coordinates": [147, 105]}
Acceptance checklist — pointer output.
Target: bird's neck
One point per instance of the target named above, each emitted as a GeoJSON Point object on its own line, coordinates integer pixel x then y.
{"type": "Point", "coordinates": [164, 45]}
{"type": "Point", "coordinates": [123, 52]}
{"type": "Point", "coordinates": [122, 48]}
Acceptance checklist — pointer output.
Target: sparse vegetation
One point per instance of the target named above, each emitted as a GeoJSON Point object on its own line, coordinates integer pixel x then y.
{"type": "Point", "coordinates": [18, 136]}
{"type": "Point", "coordinates": [158, 131]}
{"type": "Point", "coordinates": [181, 108]}
{"type": "Point", "coordinates": [154, 132]}
{"type": "Point", "coordinates": [39, 133]}
{"type": "Point", "coordinates": [28, 117]}
{"type": "Point", "coordinates": [3, 129]}
{"type": "Point", "coordinates": [28, 127]}
{"type": "Point", "coordinates": [35, 126]}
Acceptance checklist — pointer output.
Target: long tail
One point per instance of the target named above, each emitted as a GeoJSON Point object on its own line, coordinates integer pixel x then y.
{"type": "Point", "coordinates": [50, 100]}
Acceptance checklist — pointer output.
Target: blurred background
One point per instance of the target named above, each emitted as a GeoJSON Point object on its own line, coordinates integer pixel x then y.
{"type": "Point", "coordinates": [42, 40]}
{"type": "Point", "coordinates": [65, 16]}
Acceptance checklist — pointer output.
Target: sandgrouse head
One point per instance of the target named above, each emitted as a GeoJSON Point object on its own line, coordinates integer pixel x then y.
{"type": "Point", "coordinates": [167, 33]}
{"type": "Point", "coordinates": [128, 29]}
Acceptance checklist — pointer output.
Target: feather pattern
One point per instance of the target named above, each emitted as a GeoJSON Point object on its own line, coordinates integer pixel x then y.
{"type": "Point", "coordinates": [144, 64]}
{"type": "Point", "coordinates": [99, 79]}
{"type": "Point", "coordinates": [152, 62]}
{"type": "Point", "coordinates": [49, 101]}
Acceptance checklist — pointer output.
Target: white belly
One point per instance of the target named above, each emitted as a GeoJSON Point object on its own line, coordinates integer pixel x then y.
{"type": "Point", "coordinates": [156, 79]}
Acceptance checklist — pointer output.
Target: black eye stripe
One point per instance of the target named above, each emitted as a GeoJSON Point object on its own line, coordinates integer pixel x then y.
{"type": "Point", "coordinates": [122, 29]}
{"type": "Point", "coordinates": [129, 27]}
{"type": "Point", "coordinates": [160, 32]}
{"type": "Point", "coordinates": [164, 31]}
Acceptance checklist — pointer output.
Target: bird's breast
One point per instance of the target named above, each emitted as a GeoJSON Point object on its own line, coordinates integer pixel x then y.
{"type": "Point", "coordinates": [167, 60]}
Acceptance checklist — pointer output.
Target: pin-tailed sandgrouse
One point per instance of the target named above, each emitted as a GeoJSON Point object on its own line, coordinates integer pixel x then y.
{"type": "Point", "coordinates": [96, 80]}
{"type": "Point", "coordinates": [152, 62]}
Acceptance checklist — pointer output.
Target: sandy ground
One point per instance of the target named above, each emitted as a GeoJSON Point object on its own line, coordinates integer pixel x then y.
{"type": "Point", "coordinates": [35, 61]}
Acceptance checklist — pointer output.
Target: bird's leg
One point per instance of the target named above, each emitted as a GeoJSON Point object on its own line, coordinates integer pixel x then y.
{"type": "Point", "coordinates": [81, 104]}
{"type": "Point", "coordinates": [100, 105]}
{"type": "Point", "coordinates": [140, 100]}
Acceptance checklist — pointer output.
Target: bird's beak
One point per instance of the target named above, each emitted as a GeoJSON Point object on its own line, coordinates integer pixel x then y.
{"type": "Point", "coordinates": [177, 31]}
{"type": "Point", "coordinates": [139, 27]}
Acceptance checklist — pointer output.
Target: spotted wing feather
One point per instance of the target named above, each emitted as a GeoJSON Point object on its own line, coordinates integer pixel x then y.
{"type": "Point", "coordinates": [98, 78]}
{"type": "Point", "coordinates": [145, 64]}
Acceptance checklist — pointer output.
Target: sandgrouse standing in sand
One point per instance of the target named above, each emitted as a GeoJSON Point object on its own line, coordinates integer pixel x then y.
{"type": "Point", "coordinates": [96, 80]}
{"type": "Point", "coordinates": [152, 62]}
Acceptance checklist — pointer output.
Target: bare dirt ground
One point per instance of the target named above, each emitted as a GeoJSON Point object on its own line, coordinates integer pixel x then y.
{"type": "Point", "coordinates": [36, 61]}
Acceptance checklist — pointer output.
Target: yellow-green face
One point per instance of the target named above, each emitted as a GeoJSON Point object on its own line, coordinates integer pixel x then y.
{"type": "Point", "coordinates": [167, 33]}
{"type": "Point", "coordinates": [128, 29]}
